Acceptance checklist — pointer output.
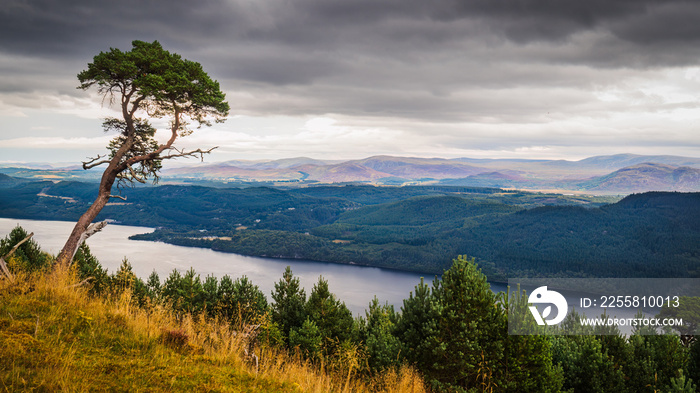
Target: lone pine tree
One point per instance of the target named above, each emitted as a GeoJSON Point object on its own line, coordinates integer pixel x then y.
{"type": "Point", "coordinates": [150, 82]}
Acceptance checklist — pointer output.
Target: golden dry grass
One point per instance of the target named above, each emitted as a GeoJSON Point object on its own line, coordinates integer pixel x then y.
{"type": "Point", "coordinates": [54, 337]}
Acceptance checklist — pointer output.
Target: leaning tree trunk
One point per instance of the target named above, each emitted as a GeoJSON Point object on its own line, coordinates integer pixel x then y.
{"type": "Point", "coordinates": [117, 165]}
{"type": "Point", "coordinates": [66, 255]}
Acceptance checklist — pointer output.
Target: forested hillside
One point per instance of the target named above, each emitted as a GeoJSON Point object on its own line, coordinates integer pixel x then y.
{"type": "Point", "coordinates": [410, 228]}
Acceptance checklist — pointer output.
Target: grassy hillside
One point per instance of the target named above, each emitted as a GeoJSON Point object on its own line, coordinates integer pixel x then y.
{"type": "Point", "coordinates": [55, 337]}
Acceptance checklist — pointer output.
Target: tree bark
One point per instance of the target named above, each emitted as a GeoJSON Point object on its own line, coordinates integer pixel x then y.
{"type": "Point", "coordinates": [115, 167]}
{"type": "Point", "coordinates": [109, 176]}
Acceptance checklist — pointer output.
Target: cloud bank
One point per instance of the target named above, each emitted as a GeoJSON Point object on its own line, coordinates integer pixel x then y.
{"type": "Point", "coordinates": [443, 77]}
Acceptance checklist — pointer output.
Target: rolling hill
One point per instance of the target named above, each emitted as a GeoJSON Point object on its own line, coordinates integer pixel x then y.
{"type": "Point", "coordinates": [418, 228]}
{"type": "Point", "coordinates": [622, 173]}
{"type": "Point", "coordinates": [614, 174]}
{"type": "Point", "coordinates": [647, 176]}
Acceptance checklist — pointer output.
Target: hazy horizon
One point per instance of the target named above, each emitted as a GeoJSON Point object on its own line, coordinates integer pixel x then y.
{"type": "Point", "coordinates": [191, 162]}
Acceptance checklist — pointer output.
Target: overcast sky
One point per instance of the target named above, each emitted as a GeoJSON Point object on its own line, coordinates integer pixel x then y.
{"type": "Point", "coordinates": [353, 78]}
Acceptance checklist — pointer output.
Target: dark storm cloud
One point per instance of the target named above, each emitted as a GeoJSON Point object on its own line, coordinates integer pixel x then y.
{"type": "Point", "coordinates": [67, 28]}
{"type": "Point", "coordinates": [674, 23]}
{"type": "Point", "coordinates": [442, 60]}
{"type": "Point", "coordinates": [70, 27]}
{"type": "Point", "coordinates": [533, 20]}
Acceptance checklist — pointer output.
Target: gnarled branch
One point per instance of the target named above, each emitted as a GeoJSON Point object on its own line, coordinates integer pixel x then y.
{"type": "Point", "coordinates": [93, 162]}
{"type": "Point", "coordinates": [12, 251]}
{"type": "Point", "coordinates": [118, 196]}
{"type": "Point", "coordinates": [134, 175]}
{"type": "Point", "coordinates": [5, 270]}
{"type": "Point", "coordinates": [91, 230]}
{"type": "Point", "coordinates": [193, 153]}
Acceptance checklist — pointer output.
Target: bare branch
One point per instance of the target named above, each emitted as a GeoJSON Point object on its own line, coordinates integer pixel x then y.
{"type": "Point", "coordinates": [155, 155]}
{"type": "Point", "coordinates": [91, 230]}
{"type": "Point", "coordinates": [3, 264]}
{"type": "Point", "coordinates": [193, 153]}
{"type": "Point", "coordinates": [92, 162]}
{"type": "Point", "coordinates": [118, 196]}
{"type": "Point", "coordinates": [94, 228]}
{"type": "Point", "coordinates": [5, 270]}
{"type": "Point", "coordinates": [134, 175]}
{"type": "Point", "coordinates": [12, 251]}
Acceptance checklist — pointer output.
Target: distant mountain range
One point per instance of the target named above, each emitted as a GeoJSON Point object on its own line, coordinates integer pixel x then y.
{"type": "Point", "coordinates": [621, 173]}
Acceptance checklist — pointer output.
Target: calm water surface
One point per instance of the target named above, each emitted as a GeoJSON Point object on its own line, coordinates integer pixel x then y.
{"type": "Point", "coordinates": [355, 285]}
{"type": "Point", "coordinates": [352, 284]}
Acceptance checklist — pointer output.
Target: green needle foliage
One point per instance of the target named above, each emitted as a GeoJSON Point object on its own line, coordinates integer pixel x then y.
{"type": "Point", "coordinates": [289, 299]}
{"type": "Point", "coordinates": [457, 336]}
{"type": "Point", "coordinates": [378, 330]}
{"type": "Point", "coordinates": [333, 318]}
{"type": "Point", "coordinates": [28, 256]}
